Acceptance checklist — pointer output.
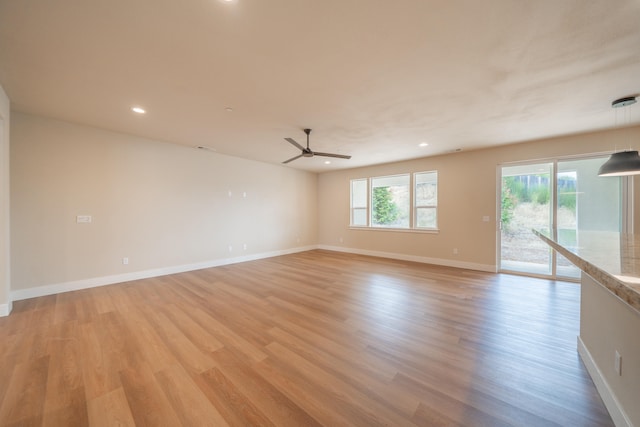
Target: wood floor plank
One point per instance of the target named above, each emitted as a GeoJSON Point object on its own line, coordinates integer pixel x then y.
{"type": "Point", "coordinates": [459, 406]}
{"type": "Point", "coordinates": [227, 335]}
{"type": "Point", "coordinates": [65, 309]}
{"type": "Point", "coordinates": [149, 405]}
{"type": "Point", "coordinates": [110, 409]}
{"type": "Point", "coordinates": [189, 355]}
{"type": "Point", "coordinates": [234, 406]}
{"type": "Point", "coordinates": [361, 402]}
{"type": "Point", "coordinates": [313, 401]}
{"type": "Point", "coordinates": [279, 409]}
{"type": "Point", "coordinates": [72, 415]}
{"type": "Point", "coordinates": [312, 338]}
{"type": "Point", "coordinates": [332, 354]}
{"type": "Point", "coordinates": [198, 335]}
{"type": "Point", "coordinates": [144, 347]}
{"type": "Point", "coordinates": [65, 401]}
{"type": "Point", "coordinates": [247, 321]}
{"type": "Point", "coordinates": [189, 403]}
{"type": "Point", "coordinates": [25, 399]}
{"type": "Point", "coordinates": [99, 369]}
{"type": "Point", "coordinates": [364, 373]}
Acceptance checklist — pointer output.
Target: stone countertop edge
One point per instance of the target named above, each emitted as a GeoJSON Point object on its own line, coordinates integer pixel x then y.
{"type": "Point", "coordinates": [622, 290]}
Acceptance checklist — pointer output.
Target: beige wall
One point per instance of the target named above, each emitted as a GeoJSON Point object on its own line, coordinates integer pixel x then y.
{"type": "Point", "coordinates": [607, 325]}
{"type": "Point", "coordinates": [5, 275]}
{"type": "Point", "coordinates": [467, 183]}
{"type": "Point", "coordinates": [161, 205]}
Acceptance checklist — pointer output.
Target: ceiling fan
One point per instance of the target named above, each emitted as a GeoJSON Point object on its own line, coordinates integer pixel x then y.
{"type": "Point", "coordinates": [306, 152]}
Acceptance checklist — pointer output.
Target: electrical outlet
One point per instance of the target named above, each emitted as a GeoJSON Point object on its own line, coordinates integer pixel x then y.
{"type": "Point", "coordinates": [618, 363]}
{"type": "Point", "coordinates": [455, 251]}
{"type": "Point", "coordinates": [244, 247]}
{"type": "Point", "coordinates": [125, 261]}
{"type": "Point", "coordinates": [230, 248]}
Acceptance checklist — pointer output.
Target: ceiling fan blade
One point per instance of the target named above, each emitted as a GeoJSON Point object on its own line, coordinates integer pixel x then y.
{"type": "Point", "coordinates": [339, 156]}
{"type": "Point", "coordinates": [292, 141]}
{"type": "Point", "coordinates": [306, 152]}
{"type": "Point", "coordinates": [292, 159]}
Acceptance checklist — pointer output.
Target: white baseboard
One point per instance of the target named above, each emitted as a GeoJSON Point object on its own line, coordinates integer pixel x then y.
{"type": "Point", "coordinates": [5, 309]}
{"type": "Point", "coordinates": [424, 260]}
{"type": "Point", "coordinates": [57, 288]}
{"type": "Point", "coordinates": [618, 415]}
{"type": "Point", "coordinates": [76, 285]}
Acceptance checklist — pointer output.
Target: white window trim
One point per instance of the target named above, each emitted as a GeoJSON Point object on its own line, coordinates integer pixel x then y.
{"type": "Point", "coordinates": [416, 206]}
{"type": "Point", "coordinates": [413, 228]}
{"type": "Point", "coordinates": [367, 205]}
{"type": "Point", "coordinates": [397, 230]}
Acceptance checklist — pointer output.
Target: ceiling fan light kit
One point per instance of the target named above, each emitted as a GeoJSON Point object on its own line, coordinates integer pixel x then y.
{"type": "Point", "coordinates": [307, 152]}
{"type": "Point", "coordinates": [622, 163]}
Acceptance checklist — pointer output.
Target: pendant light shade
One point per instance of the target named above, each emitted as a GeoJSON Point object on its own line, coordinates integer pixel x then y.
{"type": "Point", "coordinates": [621, 164]}
{"type": "Point", "coordinates": [625, 162]}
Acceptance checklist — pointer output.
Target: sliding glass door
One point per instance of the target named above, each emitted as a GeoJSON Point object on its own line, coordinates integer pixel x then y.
{"type": "Point", "coordinates": [585, 201]}
{"type": "Point", "coordinates": [566, 193]}
{"type": "Point", "coordinates": [526, 204]}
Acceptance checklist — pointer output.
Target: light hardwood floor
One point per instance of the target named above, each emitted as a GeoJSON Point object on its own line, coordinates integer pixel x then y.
{"type": "Point", "coordinates": [316, 338]}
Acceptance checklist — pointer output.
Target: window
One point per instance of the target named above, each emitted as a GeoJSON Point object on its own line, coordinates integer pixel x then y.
{"type": "Point", "coordinates": [390, 201]}
{"type": "Point", "coordinates": [359, 203]}
{"type": "Point", "coordinates": [426, 199]}
{"type": "Point", "coordinates": [386, 201]}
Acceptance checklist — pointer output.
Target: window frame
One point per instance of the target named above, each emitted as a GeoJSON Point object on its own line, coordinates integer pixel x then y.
{"type": "Point", "coordinates": [409, 202]}
{"type": "Point", "coordinates": [413, 208]}
{"type": "Point", "coordinates": [416, 207]}
{"type": "Point", "coordinates": [352, 209]}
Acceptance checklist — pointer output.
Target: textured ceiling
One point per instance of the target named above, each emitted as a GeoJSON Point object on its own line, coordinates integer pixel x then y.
{"type": "Point", "coordinates": [373, 78]}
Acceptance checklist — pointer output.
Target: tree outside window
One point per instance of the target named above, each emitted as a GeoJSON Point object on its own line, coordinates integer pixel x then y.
{"type": "Point", "coordinates": [385, 210]}
{"type": "Point", "coordinates": [390, 201]}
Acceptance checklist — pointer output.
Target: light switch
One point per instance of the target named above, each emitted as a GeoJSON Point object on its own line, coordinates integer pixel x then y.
{"type": "Point", "coordinates": [83, 219]}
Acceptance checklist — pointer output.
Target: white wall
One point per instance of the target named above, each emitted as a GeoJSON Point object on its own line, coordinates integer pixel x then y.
{"type": "Point", "coordinates": [467, 190]}
{"type": "Point", "coordinates": [164, 206]}
{"type": "Point", "coordinates": [5, 268]}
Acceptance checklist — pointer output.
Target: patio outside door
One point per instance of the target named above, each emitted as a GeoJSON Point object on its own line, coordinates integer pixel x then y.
{"type": "Point", "coordinates": [567, 193]}
{"type": "Point", "coordinates": [526, 204]}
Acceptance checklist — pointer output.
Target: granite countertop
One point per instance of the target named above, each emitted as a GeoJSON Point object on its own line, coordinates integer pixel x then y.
{"type": "Point", "coordinates": [613, 259]}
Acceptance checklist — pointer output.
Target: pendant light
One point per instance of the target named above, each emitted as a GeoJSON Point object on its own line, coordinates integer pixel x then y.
{"type": "Point", "coordinates": [622, 163]}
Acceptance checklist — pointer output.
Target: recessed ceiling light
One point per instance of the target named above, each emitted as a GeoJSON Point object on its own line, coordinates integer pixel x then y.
{"type": "Point", "coordinates": [423, 144]}
{"type": "Point", "coordinates": [138, 110]}
{"type": "Point", "coordinates": [327, 162]}
{"type": "Point", "coordinates": [228, 109]}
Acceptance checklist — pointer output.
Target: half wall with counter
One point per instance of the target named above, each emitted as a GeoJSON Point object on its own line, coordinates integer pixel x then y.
{"type": "Point", "coordinates": [609, 341]}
